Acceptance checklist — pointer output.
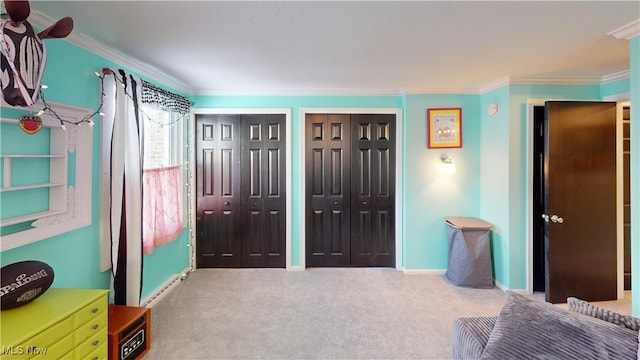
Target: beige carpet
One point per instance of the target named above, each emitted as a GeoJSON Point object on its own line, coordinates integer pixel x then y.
{"type": "Point", "coordinates": [359, 313]}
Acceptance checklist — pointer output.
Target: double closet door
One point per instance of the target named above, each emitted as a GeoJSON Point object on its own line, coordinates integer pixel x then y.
{"type": "Point", "coordinates": [240, 209]}
{"type": "Point", "coordinates": [350, 190]}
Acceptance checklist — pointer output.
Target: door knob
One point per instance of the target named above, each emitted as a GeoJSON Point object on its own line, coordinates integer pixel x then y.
{"type": "Point", "coordinates": [557, 219]}
{"type": "Point", "coordinates": [226, 203]}
{"type": "Point", "coordinates": [545, 217]}
{"type": "Point", "coordinates": [336, 203]}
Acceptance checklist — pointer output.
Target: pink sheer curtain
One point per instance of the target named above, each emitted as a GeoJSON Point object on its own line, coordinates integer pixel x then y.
{"type": "Point", "coordinates": [162, 206]}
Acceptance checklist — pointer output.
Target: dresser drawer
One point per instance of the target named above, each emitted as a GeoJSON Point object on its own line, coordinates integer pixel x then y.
{"type": "Point", "coordinates": [48, 337]}
{"type": "Point", "coordinates": [90, 345]}
{"type": "Point", "coordinates": [60, 324]}
{"type": "Point", "coordinates": [101, 353]}
{"type": "Point", "coordinates": [42, 343]}
{"type": "Point", "coordinates": [97, 325]}
{"type": "Point", "coordinates": [57, 350]}
{"type": "Point", "coordinates": [90, 311]}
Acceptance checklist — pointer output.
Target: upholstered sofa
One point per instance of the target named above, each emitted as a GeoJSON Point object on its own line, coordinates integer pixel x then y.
{"type": "Point", "coordinates": [530, 329]}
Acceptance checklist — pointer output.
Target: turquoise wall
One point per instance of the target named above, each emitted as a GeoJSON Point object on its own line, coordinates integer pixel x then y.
{"type": "Point", "coordinates": [429, 194]}
{"type": "Point", "coordinates": [495, 175]}
{"type": "Point", "coordinates": [614, 88]}
{"type": "Point", "coordinates": [634, 61]}
{"type": "Point", "coordinates": [74, 256]}
{"type": "Point", "coordinates": [490, 181]}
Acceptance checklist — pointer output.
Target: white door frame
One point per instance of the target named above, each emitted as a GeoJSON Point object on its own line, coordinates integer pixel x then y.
{"type": "Point", "coordinates": [399, 167]}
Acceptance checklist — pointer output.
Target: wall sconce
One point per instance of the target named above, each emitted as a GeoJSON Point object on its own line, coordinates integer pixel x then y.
{"type": "Point", "coordinates": [447, 165]}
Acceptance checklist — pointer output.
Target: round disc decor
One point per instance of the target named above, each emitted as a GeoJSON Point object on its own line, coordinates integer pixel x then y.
{"type": "Point", "coordinates": [30, 124]}
{"type": "Point", "coordinates": [493, 109]}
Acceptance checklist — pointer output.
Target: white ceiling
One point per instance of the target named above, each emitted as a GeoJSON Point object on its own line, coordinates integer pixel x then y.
{"type": "Point", "coordinates": [360, 47]}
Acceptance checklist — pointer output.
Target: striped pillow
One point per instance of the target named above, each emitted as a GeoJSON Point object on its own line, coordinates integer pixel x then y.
{"type": "Point", "coordinates": [583, 307]}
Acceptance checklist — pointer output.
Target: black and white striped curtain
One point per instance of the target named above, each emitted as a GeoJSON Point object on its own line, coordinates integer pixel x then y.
{"type": "Point", "coordinates": [122, 147]}
{"type": "Point", "coordinates": [121, 181]}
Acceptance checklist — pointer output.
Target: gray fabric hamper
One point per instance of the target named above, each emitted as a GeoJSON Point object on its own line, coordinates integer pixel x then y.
{"type": "Point", "coordinates": [469, 252]}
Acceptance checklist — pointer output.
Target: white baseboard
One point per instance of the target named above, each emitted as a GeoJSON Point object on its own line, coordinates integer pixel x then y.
{"type": "Point", "coordinates": [163, 290]}
{"type": "Point", "coordinates": [424, 271]}
{"type": "Point", "coordinates": [505, 289]}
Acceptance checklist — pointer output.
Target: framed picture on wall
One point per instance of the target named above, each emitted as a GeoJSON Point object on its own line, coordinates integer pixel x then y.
{"type": "Point", "coordinates": [444, 128]}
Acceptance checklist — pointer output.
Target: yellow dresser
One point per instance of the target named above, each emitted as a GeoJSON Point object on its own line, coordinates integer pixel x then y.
{"type": "Point", "coordinates": [60, 324]}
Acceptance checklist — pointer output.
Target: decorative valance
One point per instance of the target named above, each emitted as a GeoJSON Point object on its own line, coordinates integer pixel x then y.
{"type": "Point", "coordinates": [166, 100]}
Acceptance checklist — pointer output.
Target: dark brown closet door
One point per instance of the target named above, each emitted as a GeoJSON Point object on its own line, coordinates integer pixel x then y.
{"type": "Point", "coordinates": [241, 197]}
{"type": "Point", "coordinates": [350, 190]}
{"type": "Point", "coordinates": [373, 190]}
{"type": "Point", "coordinates": [263, 189]}
{"type": "Point", "coordinates": [328, 155]}
{"type": "Point", "coordinates": [218, 206]}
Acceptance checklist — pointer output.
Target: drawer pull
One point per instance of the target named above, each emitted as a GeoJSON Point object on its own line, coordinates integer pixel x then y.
{"type": "Point", "coordinates": [94, 358]}
{"type": "Point", "coordinates": [94, 310]}
{"type": "Point", "coordinates": [95, 327]}
{"type": "Point", "coordinates": [96, 342]}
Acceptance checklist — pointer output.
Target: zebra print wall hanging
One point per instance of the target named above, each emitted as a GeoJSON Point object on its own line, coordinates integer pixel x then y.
{"type": "Point", "coordinates": [23, 53]}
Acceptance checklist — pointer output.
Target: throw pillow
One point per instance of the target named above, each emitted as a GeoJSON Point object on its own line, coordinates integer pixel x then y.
{"type": "Point", "coordinates": [583, 307]}
{"type": "Point", "coordinates": [530, 329]}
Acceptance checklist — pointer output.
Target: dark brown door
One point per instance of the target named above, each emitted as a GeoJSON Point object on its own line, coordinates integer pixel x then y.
{"type": "Point", "coordinates": [350, 190]}
{"type": "Point", "coordinates": [240, 213]}
{"type": "Point", "coordinates": [263, 191]}
{"type": "Point", "coordinates": [328, 181]}
{"type": "Point", "coordinates": [580, 201]}
{"type": "Point", "coordinates": [218, 191]}
{"type": "Point", "coordinates": [373, 190]}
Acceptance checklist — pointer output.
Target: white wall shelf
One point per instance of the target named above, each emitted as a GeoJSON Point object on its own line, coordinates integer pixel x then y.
{"type": "Point", "coordinates": [32, 186]}
{"type": "Point", "coordinates": [63, 211]}
{"type": "Point", "coordinates": [30, 217]}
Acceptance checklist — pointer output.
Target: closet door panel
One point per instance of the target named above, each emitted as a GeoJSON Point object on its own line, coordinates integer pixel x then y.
{"type": "Point", "coordinates": [328, 178]}
{"type": "Point", "coordinates": [218, 204]}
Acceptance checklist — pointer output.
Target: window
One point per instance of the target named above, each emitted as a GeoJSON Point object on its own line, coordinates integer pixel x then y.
{"type": "Point", "coordinates": [163, 138]}
{"type": "Point", "coordinates": [163, 190]}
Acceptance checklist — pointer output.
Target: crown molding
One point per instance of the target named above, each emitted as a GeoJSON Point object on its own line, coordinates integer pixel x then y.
{"type": "Point", "coordinates": [495, 84]}
{"type": "Point", "coordinates": [336, 92]}
{"type": "Point", "coordinates": [557, 80]}
{"type": "Point", "coordinates": [42, 21]}
{"type": "Point", "coordinates": [620, 75]}
{"type": "Point", "coordinates": [441, 91]}
{"type": "Point", "coordinates": [626, 32]}
{"type": "Point", "coordinates": [300, 92]}
{"type": "Point", "coordinates": [553, 80]}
